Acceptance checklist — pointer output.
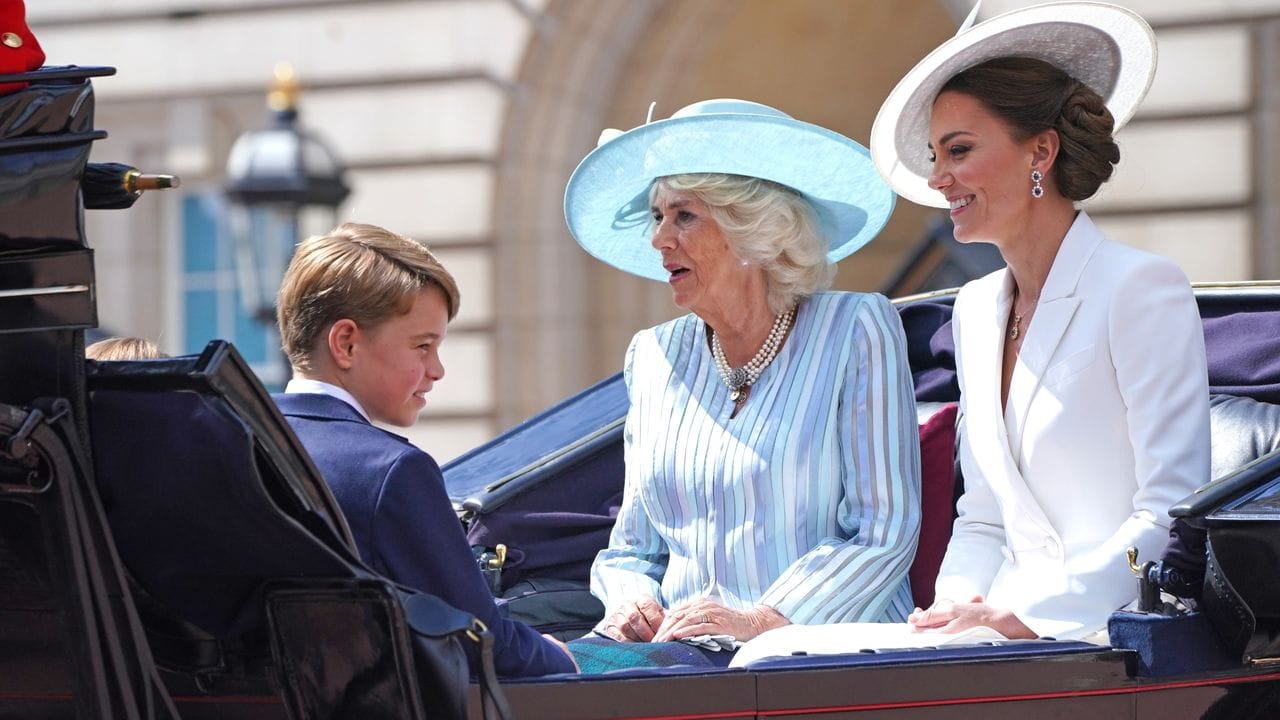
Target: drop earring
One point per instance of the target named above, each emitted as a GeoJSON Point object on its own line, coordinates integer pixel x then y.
{"type": "Point", "coordinates": [1036, 190]}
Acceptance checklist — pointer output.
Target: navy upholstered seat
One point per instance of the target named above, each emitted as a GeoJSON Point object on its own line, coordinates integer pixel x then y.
{"type": "Point", "coordinates": [243, 555]}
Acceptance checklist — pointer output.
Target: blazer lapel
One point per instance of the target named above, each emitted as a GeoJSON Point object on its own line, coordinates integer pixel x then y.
{"type": "Point", "coordinates": [1058, 304]}
{"type": "Point", "coordinates": [983, 358]}
{"type": "Point", "coordinates": [983, 329]}
{"type": "Point", "coordinates": [1047, 328]}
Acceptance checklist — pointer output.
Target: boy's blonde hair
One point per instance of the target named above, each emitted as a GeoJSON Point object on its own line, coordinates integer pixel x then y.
{"type": "Point", "coordinates": [360, 272]}
{"type": "Point", "coordinates": [123, 348]}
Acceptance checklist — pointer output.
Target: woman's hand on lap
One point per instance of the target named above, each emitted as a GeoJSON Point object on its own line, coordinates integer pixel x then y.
{"type": "Point", "coordinates": [635, 620]}
{"type": "Point", "coordinates": [706, 617]}
{"type": "Point", "coordinates": [949, 616]}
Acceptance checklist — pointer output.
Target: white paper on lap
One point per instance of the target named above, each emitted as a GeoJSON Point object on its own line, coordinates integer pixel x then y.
{"type": "Point", "coordinates": [850, 638]}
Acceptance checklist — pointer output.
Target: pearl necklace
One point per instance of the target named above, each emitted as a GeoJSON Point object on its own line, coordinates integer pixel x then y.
{"type": "Point", "coordinates": [740, 379]}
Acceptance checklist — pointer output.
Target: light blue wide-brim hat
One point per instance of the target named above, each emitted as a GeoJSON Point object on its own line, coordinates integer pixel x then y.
{"type": "Point", "coordinates": [606, 203]}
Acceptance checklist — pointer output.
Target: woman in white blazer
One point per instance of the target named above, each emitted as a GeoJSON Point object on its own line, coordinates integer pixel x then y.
{"type": "Point", "coordinates": [1096, 425]}
{"type": "Point", "coordinates": [1084, 395]}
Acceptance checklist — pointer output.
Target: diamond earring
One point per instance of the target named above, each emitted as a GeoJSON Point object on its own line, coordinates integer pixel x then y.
{"type": "Point", "coordinates": [1036, 190]}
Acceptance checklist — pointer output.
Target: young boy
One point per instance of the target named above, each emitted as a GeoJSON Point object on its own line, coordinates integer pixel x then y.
{"type": "Point", "coordinates": [362, 314]}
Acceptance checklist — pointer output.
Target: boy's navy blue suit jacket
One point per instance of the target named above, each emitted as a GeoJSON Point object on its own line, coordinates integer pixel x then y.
{"type": "Point", "coordinates": [404, 525]}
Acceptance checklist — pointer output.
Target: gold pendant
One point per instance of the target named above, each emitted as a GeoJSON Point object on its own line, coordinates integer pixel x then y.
{"type": "Point", "coordinates": [735, 394]}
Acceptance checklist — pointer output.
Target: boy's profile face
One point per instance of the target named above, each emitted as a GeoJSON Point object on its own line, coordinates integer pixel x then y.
{"type": "Point", "coordinates": [396, 362]}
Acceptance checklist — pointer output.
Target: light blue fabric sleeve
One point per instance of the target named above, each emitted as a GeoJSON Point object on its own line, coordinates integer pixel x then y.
{"type": "Point", "coordinates": [636, 559]}
{"type": "Point", "coordinates": [861, 577]}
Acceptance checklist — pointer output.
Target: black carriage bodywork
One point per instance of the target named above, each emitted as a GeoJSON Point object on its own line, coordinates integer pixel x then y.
{"type": "Point", "coordinates": [144, 575]}
{"type": "Point", "coordinates": [167, 549]}
{"type": "Point", "coordinates": [1175, 665]}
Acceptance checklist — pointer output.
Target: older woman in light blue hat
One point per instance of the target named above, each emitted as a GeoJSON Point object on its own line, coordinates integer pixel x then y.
{"type": "Point", "coordinates": [772, 472]}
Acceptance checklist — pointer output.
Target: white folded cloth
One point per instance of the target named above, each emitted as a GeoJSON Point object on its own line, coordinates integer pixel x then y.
{"type": "Point", "coordinates": [714, 643]}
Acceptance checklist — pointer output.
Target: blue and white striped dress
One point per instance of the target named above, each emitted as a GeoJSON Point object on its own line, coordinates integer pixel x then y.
{"type": "Point", "coordinates": [808, 501]}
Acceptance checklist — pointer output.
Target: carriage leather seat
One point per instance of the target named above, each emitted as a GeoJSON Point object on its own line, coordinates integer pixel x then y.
{"type": "Point", "coordinates": [1241, 430]}
{"type": "Point", "coordinates": [242, 554]}
{"type": "Point", "coordinates": [193, 495]}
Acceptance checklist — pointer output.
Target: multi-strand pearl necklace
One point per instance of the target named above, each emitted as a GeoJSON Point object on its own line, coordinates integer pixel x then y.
{"type": "Point", "coordinates": [739, 379]}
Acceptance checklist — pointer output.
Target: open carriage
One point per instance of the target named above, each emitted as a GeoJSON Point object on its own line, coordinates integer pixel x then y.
{"type": "Point", "coordinates": [167, 549]}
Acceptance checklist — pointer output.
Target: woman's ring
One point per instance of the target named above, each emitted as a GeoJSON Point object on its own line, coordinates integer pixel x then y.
{"type": "Point", "coordinates": [705, 618]}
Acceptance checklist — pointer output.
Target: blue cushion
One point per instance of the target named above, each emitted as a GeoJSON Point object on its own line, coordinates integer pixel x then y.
{"type": "Point", "coordinates": [1169, 645]}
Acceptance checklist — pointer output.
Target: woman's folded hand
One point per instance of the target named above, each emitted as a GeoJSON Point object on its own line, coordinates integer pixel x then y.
{"type": "Point", "coordinates": [707, 617]}
{"type": "Point", "coordinates": [635, 620]}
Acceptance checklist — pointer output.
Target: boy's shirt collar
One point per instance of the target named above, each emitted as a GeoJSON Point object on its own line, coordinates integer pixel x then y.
{"type": "Point", "coordinates": [319, 387]}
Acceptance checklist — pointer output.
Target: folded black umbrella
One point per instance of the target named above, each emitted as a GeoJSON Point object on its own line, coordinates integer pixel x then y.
{"type": "Point", "coordinates": [115, 186]}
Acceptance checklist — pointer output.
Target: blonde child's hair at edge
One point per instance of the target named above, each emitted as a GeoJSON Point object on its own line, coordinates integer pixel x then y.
{"type": "Point", "coordinates": [123, 348]}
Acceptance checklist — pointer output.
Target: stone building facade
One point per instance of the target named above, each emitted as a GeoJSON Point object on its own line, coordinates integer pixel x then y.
{"type": "Point", "coordinates": [460, 121]}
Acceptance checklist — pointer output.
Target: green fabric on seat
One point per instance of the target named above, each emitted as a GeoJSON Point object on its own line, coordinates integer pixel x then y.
{"type": "Point", "coordinates": [596, 655]}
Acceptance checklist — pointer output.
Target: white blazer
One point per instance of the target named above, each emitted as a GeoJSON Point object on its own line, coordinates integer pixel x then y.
{"type": "Point", "coordinates": [1107, 427]}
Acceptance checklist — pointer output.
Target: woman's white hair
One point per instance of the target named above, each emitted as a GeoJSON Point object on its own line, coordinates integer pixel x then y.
{"type": "Point", "coordinates": [766, 224]}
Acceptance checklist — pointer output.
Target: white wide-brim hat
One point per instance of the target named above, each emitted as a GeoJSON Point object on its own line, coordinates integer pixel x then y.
{"type": "Point", "coordinates": [606, 203]}
{"type": "Point", "coordinates": [1109, 48]}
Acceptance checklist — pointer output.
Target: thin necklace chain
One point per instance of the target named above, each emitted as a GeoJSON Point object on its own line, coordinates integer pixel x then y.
{"type": "Point", "coordinates": [1014, 330]}
{"type": "Point", "coordinates": [739, 378]}
{"type": "Point", "coordinates": [1015, 325]}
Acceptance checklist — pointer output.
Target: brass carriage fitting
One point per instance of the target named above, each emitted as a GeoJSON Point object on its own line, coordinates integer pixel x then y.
{"type": "Point", "coordinates": [500, 557]}
{"type": "Point", "coordinates": [1148, 585]}
{"type": "Point", "coordinates": [1132, 554]}
{"type": "Point", "coordinates": [477, 630]}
